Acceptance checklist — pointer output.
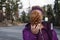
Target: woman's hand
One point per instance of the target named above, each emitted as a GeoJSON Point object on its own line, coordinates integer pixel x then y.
{"type": "Point", "coordinates": [35, 29]}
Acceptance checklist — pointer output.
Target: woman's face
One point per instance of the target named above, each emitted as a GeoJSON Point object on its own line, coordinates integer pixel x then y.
{"type": "Point", "coordinates": [36, 16]}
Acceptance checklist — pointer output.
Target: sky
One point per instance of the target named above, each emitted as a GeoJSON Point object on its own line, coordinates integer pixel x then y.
{"type": "Point", "coordinates": [36, 2]}
{"type": "Point", "coordinates": [27, 3]}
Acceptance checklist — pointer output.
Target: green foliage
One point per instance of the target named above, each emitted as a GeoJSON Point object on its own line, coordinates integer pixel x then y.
{"type": "Point", "coordinates": [49, 10]}
{"type": "Point", "coordinates": [3, 0]}
{"type": "Point", "coordinates": [27, 18]}
{"type": "Point", "coordinates": [10, 9]}
{"type": "Point", "coordinates": [23, 17]}
{"type": "Point", "coordinates": [57, 12]}
{"type": "Point", "coordinates": [50, 13]}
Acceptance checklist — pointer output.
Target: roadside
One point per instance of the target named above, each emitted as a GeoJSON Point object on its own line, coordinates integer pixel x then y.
{"type": "Point", "coordinates": [9, 24]}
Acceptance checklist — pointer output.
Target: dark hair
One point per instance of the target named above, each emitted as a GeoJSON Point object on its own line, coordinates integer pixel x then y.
{"type": "Point", "coordinates": [37, 8]}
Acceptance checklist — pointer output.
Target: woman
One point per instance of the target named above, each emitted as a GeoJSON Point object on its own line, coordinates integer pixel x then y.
{"type": "Point", "coordinates": [37, 29]}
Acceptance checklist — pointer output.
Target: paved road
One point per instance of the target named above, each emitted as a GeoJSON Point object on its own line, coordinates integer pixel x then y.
{"type": "Point", "coordinates": [14, 33]}
{"type": "Point", "coordinates": [11, 33]}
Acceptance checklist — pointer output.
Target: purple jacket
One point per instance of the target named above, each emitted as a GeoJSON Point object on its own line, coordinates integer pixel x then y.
{"type": "Point", "coordinates": [47, 33]}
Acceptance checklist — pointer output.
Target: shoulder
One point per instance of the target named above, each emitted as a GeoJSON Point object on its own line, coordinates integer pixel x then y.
{"type": "Point", "coordinates": [26, 29]}
{"type": "Point", "coordinates": [47, 25]}
{"type": "Point", "coordinates": [26, 32]}
{"type": "Point", "coordinates": [54, 34]}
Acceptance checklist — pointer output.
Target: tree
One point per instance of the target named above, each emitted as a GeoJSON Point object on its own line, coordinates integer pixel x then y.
{"type": "Point", "coordinates": [50, 13]}
{"type": "Point", "coordinates": [12, 9]}
{"type": "Point", "coordinates": [28, 18]}
{"type": "Point", "coordinates": [57, 12]}
{"type": "Point", "coordinates": [23, 17]}
{"type": "Point", "coordinates": [1, 11]}
{"type": "Point", "coordinates": [8, 11]}
{"type": "Point", "coordinates": [15, 8]}
{"type": "Point", "coordinates": [45, 11]}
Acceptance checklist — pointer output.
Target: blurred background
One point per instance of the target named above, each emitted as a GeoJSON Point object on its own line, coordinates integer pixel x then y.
{"type": "Point", "coordinates": [14, 15]}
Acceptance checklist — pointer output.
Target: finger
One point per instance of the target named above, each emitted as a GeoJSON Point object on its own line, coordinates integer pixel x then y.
{"type": "Point", "coordinates": [33, 26]}
{"type": "Point", "coordinates": [37, 27]}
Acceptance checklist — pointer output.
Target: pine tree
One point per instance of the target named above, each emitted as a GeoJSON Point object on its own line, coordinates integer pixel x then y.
{"type": "Point", "coordinates": [57, 11]}
{"type": "Point", "coordinates": [50, 13]}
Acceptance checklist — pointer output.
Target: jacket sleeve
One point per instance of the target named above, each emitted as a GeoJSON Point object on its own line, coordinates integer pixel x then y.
{"type": "Point", "coordinates": [25, 34]}
{"type": "Point", "coordinates": [54, 35]}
